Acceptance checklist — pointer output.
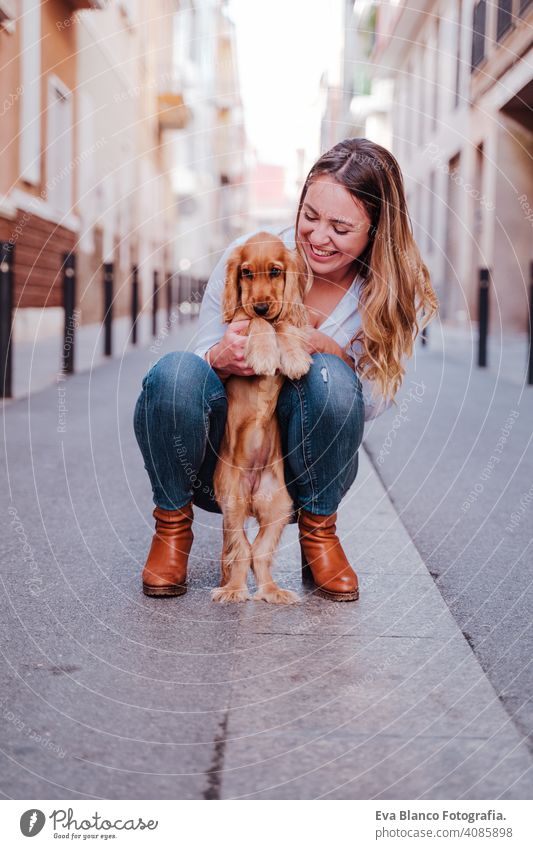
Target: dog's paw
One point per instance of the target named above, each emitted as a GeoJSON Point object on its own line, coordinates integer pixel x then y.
{"type": "Point", "coordinates": [275, 595]}
{"type": "Point", "coordinates": [262, 362]}
{"type": "Point", "coordinates": [295, 365]}
{"type": "Point", "coordinates": [225, 595]}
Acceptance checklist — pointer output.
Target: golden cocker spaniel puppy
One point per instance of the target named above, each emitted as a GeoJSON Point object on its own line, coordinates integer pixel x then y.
{"type": "Point", "coordinates": [264, 283]}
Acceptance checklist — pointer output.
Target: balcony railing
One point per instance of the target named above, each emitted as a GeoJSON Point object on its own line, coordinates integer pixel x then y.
{"type": "Point", "coordinates": [78, 5]}
{"type": "Point", "coordinates": [173, 113]}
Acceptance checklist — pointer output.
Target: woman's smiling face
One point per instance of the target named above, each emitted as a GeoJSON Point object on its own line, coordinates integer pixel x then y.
{"type": "Point", "coordinates": [332, 228]}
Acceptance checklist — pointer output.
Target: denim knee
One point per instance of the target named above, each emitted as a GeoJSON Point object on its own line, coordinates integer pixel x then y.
{"type": "Point", "coordinates": [180, 370]}
{"type": "Point", "coordinates": [182, 403]}
{"type": "Point", "coordinates": [180, 377]}
{"type": "Point", "coordinates": [331, 392]}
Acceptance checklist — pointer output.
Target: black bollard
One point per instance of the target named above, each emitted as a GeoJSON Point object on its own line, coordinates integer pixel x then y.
{"type": "Point", "coordinates": [179, 299]}
{"type": "Point", "coordinates": [530, 352]}
{"type": "Point", "coordinates": [188, 297]}
{"type": "Point", "coordinates": [69, 305]}
{"type": "Point", "coordinates": [155, 303]}
{"type": "Point", "coordinates": [169, 298]}
{"type": "Point", "coordinates": [424, 333]}
{"type": "Point", "coordinates": [483, 312]}
{"type": "Point", "coordinates": [108, 309]}
{"type": "Point", "coordinates": [134, 302]}
{"type": "Point", "coordinates": [7, 260]}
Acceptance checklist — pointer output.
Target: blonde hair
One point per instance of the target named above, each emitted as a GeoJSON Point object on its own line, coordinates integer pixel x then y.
{"type": "Point", "coordinates": [396, 298]}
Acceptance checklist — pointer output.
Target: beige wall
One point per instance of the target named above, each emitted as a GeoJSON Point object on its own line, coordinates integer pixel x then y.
{"type": "Point", "coordinates": [512, 239]}
{"type": "Point", "coordinates": [124, 188]}
{"type": "Point", "coordinates": [9, 108]}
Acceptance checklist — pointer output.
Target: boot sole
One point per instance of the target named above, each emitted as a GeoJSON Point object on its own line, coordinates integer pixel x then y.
{"type": "Point", "coordinates": [338, 596]}
{"type": "Point", "coordinates": [163, 591]}
{"type": "Point", "coordinates": [307, 578]}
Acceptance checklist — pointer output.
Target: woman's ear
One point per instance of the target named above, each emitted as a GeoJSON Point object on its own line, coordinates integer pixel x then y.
{"type": "Point", "coordinates": [294, 310]}
{"type": "Point", "coordinates": [231, 295]}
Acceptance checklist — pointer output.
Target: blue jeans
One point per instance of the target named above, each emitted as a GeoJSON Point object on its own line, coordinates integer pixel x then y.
{"type": "Point", "coordinates": [180, 418]}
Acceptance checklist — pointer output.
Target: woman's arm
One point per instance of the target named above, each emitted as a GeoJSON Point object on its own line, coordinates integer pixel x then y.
{"type": "Point", "coordinates": [324, 344]}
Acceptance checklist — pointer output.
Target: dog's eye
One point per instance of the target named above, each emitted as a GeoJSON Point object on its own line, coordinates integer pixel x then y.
{"type": "Point", "coordinates": [246, 272]}
{"type": "Point", "coordinates": [275, 272]}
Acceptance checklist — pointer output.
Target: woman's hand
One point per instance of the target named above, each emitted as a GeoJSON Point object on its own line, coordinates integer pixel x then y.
{"type": "Point", "coordinates": [227, 356]}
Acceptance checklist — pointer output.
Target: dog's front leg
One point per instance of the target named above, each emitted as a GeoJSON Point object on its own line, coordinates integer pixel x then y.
{"type": "Point", "coordinates": [236, 559]}
{"type": "Point", "coordinates": [261, 352]}
{"type": "Point", "coordinates": [272, 506]}
{"type": "Point", "coordinates": [295, 361]}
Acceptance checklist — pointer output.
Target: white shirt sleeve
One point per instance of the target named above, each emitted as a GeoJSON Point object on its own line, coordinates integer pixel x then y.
{"type": "Point", "coordinates": [375, 403]}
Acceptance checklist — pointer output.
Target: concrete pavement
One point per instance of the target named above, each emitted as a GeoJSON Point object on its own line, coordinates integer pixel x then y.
{"type": "Point", "coordinates": [109, 694]}
{"type": "Point", "coordinates": [457, 463]}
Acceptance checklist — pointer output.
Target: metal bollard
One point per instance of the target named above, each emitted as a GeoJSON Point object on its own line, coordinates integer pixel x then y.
{"type": "Point", "coordinates": [483, 312]}
{"type": "Point", "coordinates": [530, 352]}
{"type": "Point", "coordinates": [134, 302]}
{"type": "Point", "coordinates": [189, 296]}
{"type": "Point", "coordinates": [108, 309]}
{"type": "Point", "coordinates": [424, 334]}
{"type": "Point", "coordinates": [69, 305]}
{"type": "Point", "coordinates": [179, 298]}
{"type": "Point", "coordinates": [7, 261]}
{"type": "Point", "coordinates": [169, 298]}
{"type": "Point", "coordinates": [155, 303]}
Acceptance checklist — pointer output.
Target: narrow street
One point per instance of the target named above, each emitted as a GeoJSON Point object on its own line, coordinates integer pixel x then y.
{"type": "Point", "coordinates": [107, 693]}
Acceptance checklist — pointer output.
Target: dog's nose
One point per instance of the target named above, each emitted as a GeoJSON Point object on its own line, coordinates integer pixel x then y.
{"type": "Point", "coordinates": [261, 309]}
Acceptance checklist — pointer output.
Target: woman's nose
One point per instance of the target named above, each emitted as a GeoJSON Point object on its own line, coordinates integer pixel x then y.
{"type": "Point", "coordinates": [320, 234]}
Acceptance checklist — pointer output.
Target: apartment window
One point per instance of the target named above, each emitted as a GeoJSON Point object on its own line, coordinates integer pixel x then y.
{"type": "Point", "coordinates": [421, 81]}
{"type": "Point", "coordinates": [430, 232]}
{"type": "Point", "coordinates": [409, 111]}
{"type": "Point", "coordinates": [399, 114]}
{"type": "Point", "coordinates": [8, 14]}
{"type": "Point", "coordinates": [435, 98]}
{"type": "Point", "coordinates": [504, 20]}
{"type": "Point", "coordinates": [524, 4]}
{"type": "Point", "coordinates": [59, 163]}
{"type": "Point", "coordinates": [416, 213]}
{"type": "Point", "coordinates": [30, 79]}
{"type": "Point", "coordinates": [458, 32]}
{"type": "Point", "coordinates": [478, 33]}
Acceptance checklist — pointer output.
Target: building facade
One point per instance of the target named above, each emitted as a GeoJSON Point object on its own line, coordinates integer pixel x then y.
{"type": "Point", "coordinates": [123, 144]}
{"type": "Point", "coordinates": [460, 126]}
{"type": "Point", "coordinates": [39, 111]}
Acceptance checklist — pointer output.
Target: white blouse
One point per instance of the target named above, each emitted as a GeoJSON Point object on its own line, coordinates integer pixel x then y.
{"type": "Point", "coordinates": [340, 325]}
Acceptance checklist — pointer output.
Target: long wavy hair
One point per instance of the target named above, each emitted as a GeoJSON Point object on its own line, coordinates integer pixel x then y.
{"type": "Point", "coordinates": [396, 298]}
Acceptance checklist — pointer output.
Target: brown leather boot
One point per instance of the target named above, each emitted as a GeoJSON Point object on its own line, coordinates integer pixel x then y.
{"type": "Point", "coordinates": [165, 572]}
{"type": "Point", "coordinates": [323, 559]}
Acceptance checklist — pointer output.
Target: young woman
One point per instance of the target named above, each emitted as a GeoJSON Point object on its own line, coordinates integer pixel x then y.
{"type": "Point", "coordinates": [369, 288]}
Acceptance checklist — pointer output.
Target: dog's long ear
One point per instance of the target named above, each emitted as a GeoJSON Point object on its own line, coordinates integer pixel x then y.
{"type": "Point", "coordinates": [294, 310]}
{"type": "Point", "coordinates": [231, 296]}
